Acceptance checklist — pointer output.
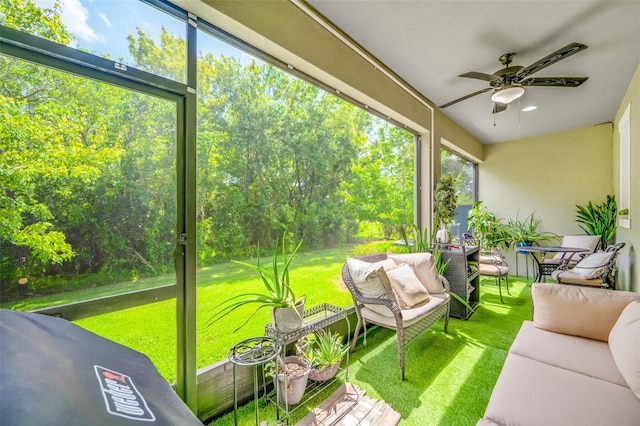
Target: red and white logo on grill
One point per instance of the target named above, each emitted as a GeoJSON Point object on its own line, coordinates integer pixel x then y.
{"type": "Point", "coordinates": [121, 396]}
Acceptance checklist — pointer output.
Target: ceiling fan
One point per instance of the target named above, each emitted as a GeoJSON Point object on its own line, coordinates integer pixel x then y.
{"type": "Point", "coordinates": [508, 83]}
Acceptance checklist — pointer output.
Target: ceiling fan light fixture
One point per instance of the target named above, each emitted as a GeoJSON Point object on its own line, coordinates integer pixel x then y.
{"type": "Point", "coordinates": [507, 95]}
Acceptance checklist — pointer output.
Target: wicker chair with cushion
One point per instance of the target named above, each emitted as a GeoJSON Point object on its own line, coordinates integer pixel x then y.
{"type": "Point", "coordinates": [373, 283]}
{"type": "Point", "coordinates": [570, 259]}
{"type": "Point", "coordinates": [596, 270]}
{"type": "Point", "coordinates": [492, 263]}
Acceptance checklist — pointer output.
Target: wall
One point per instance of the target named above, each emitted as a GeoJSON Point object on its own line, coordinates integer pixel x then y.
{"type": "Point", "coordinates": [629, 272]}
{"type": "Point", "coordinates": [548, 175]}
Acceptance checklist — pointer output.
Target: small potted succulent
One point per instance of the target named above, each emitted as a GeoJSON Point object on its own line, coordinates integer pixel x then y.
{"type": "Point", "coordinates": [325, 351]}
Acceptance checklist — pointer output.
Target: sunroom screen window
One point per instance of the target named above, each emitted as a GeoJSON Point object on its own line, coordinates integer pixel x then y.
{"type": "Point", "coordinates": [123, 31]}
{"type": "Point", "coordinates": [463, 173]}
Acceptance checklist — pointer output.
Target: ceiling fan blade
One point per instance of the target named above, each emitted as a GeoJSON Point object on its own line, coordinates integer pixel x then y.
{"type": "Point", "coordinates": [480, 76]}
{"type": "Point", "coordinates": [554, 81]}
{"type": "Point", "coordinates": [565, 52]}
{"type": "Point", "coordinates": [499, 107]}
{"type": "Point", "coordinates": [466, 97]}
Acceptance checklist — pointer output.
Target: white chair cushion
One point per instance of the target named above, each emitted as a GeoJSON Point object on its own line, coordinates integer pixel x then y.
{"type": "Point", "coordinates": [593, 265]}
{"type": "Point", "coordinates": [372, 281]}
{"type": "Point", "coordinates": [408, 289]}
{"type": "Point", "coordinates": [409, 316]}
{"type": "Point", "coordinates": [624, 343]}
{"type": "Point", "coordinates": [424, 266]}
{"type": "Point", "coordinates": [493, 270]}
{"type": "Point", "coordinates": [589, 242]}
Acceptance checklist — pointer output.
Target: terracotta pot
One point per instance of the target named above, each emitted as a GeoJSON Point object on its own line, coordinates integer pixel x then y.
{"type": "Point", "coordinates": [324, 374]}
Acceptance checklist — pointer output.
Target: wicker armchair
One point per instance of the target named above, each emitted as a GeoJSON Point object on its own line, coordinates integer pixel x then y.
{"type": "Point", "coordinates": [409, 323]}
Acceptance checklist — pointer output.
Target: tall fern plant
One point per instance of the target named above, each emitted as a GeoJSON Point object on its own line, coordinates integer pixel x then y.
{"type": "Point", "coordinates": [599, 219]}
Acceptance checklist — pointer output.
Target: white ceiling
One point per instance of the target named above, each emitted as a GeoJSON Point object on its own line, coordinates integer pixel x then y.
{"type": "Point", "coordinates": [429, 43]}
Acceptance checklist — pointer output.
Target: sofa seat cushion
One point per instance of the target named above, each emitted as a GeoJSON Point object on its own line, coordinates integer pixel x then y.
{"type": "Point", "coordinates": [409, 316]}
{"type": "Point", "coordinates": [529, 392]}
{"type": "Point", "coordinates": [585, 356]}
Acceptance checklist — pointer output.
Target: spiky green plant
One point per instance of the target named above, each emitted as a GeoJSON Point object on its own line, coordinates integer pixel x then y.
{"type": "Point", "coordinates": [323, 349]}
{"type": "Point", "coordinates": [525, 231]}
{"type": "Point", "coordinates": [276, 282]}
{"type": "Point", "coordinates": [599, 219]}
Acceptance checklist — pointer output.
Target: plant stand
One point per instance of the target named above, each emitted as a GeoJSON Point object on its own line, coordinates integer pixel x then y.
{"type": "Point", "coordinates": [252, 352]}
{"type": "Point", "coordinates": [314, 319]}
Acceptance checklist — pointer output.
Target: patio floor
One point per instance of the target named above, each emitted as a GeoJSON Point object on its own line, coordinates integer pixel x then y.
{"type": "Point", "coordinates": [449, 377]}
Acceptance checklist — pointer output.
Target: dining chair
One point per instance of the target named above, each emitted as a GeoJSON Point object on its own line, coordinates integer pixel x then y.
{"type": "Point", "coordinates": [492, 263]}
{"type": "Point", "coordinates": [570, 259]}
{"type": "Point", "coordinates": [596, 270]}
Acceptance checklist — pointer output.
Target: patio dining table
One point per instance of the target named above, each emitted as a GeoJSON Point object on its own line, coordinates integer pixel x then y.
{"type": "Point", "coordinates": [538, 254]}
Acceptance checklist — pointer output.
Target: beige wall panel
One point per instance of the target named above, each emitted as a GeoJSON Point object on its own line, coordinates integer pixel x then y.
{"type": "Point", "coordinates": [548, 175]}
{"type": "Point", "coordinates": [629, 277]}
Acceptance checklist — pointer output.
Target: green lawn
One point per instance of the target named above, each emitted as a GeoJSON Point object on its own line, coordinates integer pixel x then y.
{"type": "Point", "coordinates": [151, 328]}
{"type": "Point", "coordinates": [449, 377]}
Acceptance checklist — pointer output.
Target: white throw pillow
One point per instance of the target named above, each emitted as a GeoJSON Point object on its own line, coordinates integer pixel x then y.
{"type": "Point", "coordinates": [409, 291]}
{"type": "Point", "coordinates": [624, 343]}
{"type": "Point", "coordinates": [372, 281]}
{"type": "Point", "coordinates": [424, 266]}
{"type": "Point", "coordinates": [588, 242]}
{"type": "Point", "coordinates": [593, 265]}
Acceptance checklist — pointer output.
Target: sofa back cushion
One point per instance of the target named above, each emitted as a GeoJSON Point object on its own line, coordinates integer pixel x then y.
{"type": "Point", "coordinates": [624, 343]}
{"type": "Point", "coordinates": [578, 311]}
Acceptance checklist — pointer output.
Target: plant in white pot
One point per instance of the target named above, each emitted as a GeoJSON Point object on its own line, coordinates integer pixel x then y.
{"type": "Point", "coordinates": [286, 309]}
{"type": "Point", "coordinates": [445, 204]}
{"type": "Point", "coordinates": [325, 351]}
{"type": "Point", "coordinates": [292, 374]}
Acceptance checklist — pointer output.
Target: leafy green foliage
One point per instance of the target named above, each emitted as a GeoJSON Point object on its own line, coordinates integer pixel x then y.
{"type": "Point", "coordinates": [599, 219]}
{"type": "Point", "coordinates": [88, 170]}
{"type": "Point", "coordinates": [445, 201]}
{"type": "Point", "coordinates": [485, 225]}
{"type": "Point", "coordinates": [523, 231]}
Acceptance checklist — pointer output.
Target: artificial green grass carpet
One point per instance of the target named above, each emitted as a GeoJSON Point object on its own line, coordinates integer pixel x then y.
{"type": "Point", "coordinates": [448, 377]}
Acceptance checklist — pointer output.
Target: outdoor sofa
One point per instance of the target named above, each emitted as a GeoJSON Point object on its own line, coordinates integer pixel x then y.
{"type": "Point", "coordinates": [576, 363]}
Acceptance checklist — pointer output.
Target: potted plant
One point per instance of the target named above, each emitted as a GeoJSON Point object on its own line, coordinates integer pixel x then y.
{"type": "Point", "coordinates": [522, 233]}
{"type": "Point", "coordinates": [286, 309]}
{"type": "Point", "coordinates": [445, 204]}
{"type": "Point", "coordinates": [485, 226]}
{"type": "Point", "coordinates": [325, 351]}
{"type": "Point", "coordinates": [292, 374]}
{"type": "Point", "coordinates": [599, 219]}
